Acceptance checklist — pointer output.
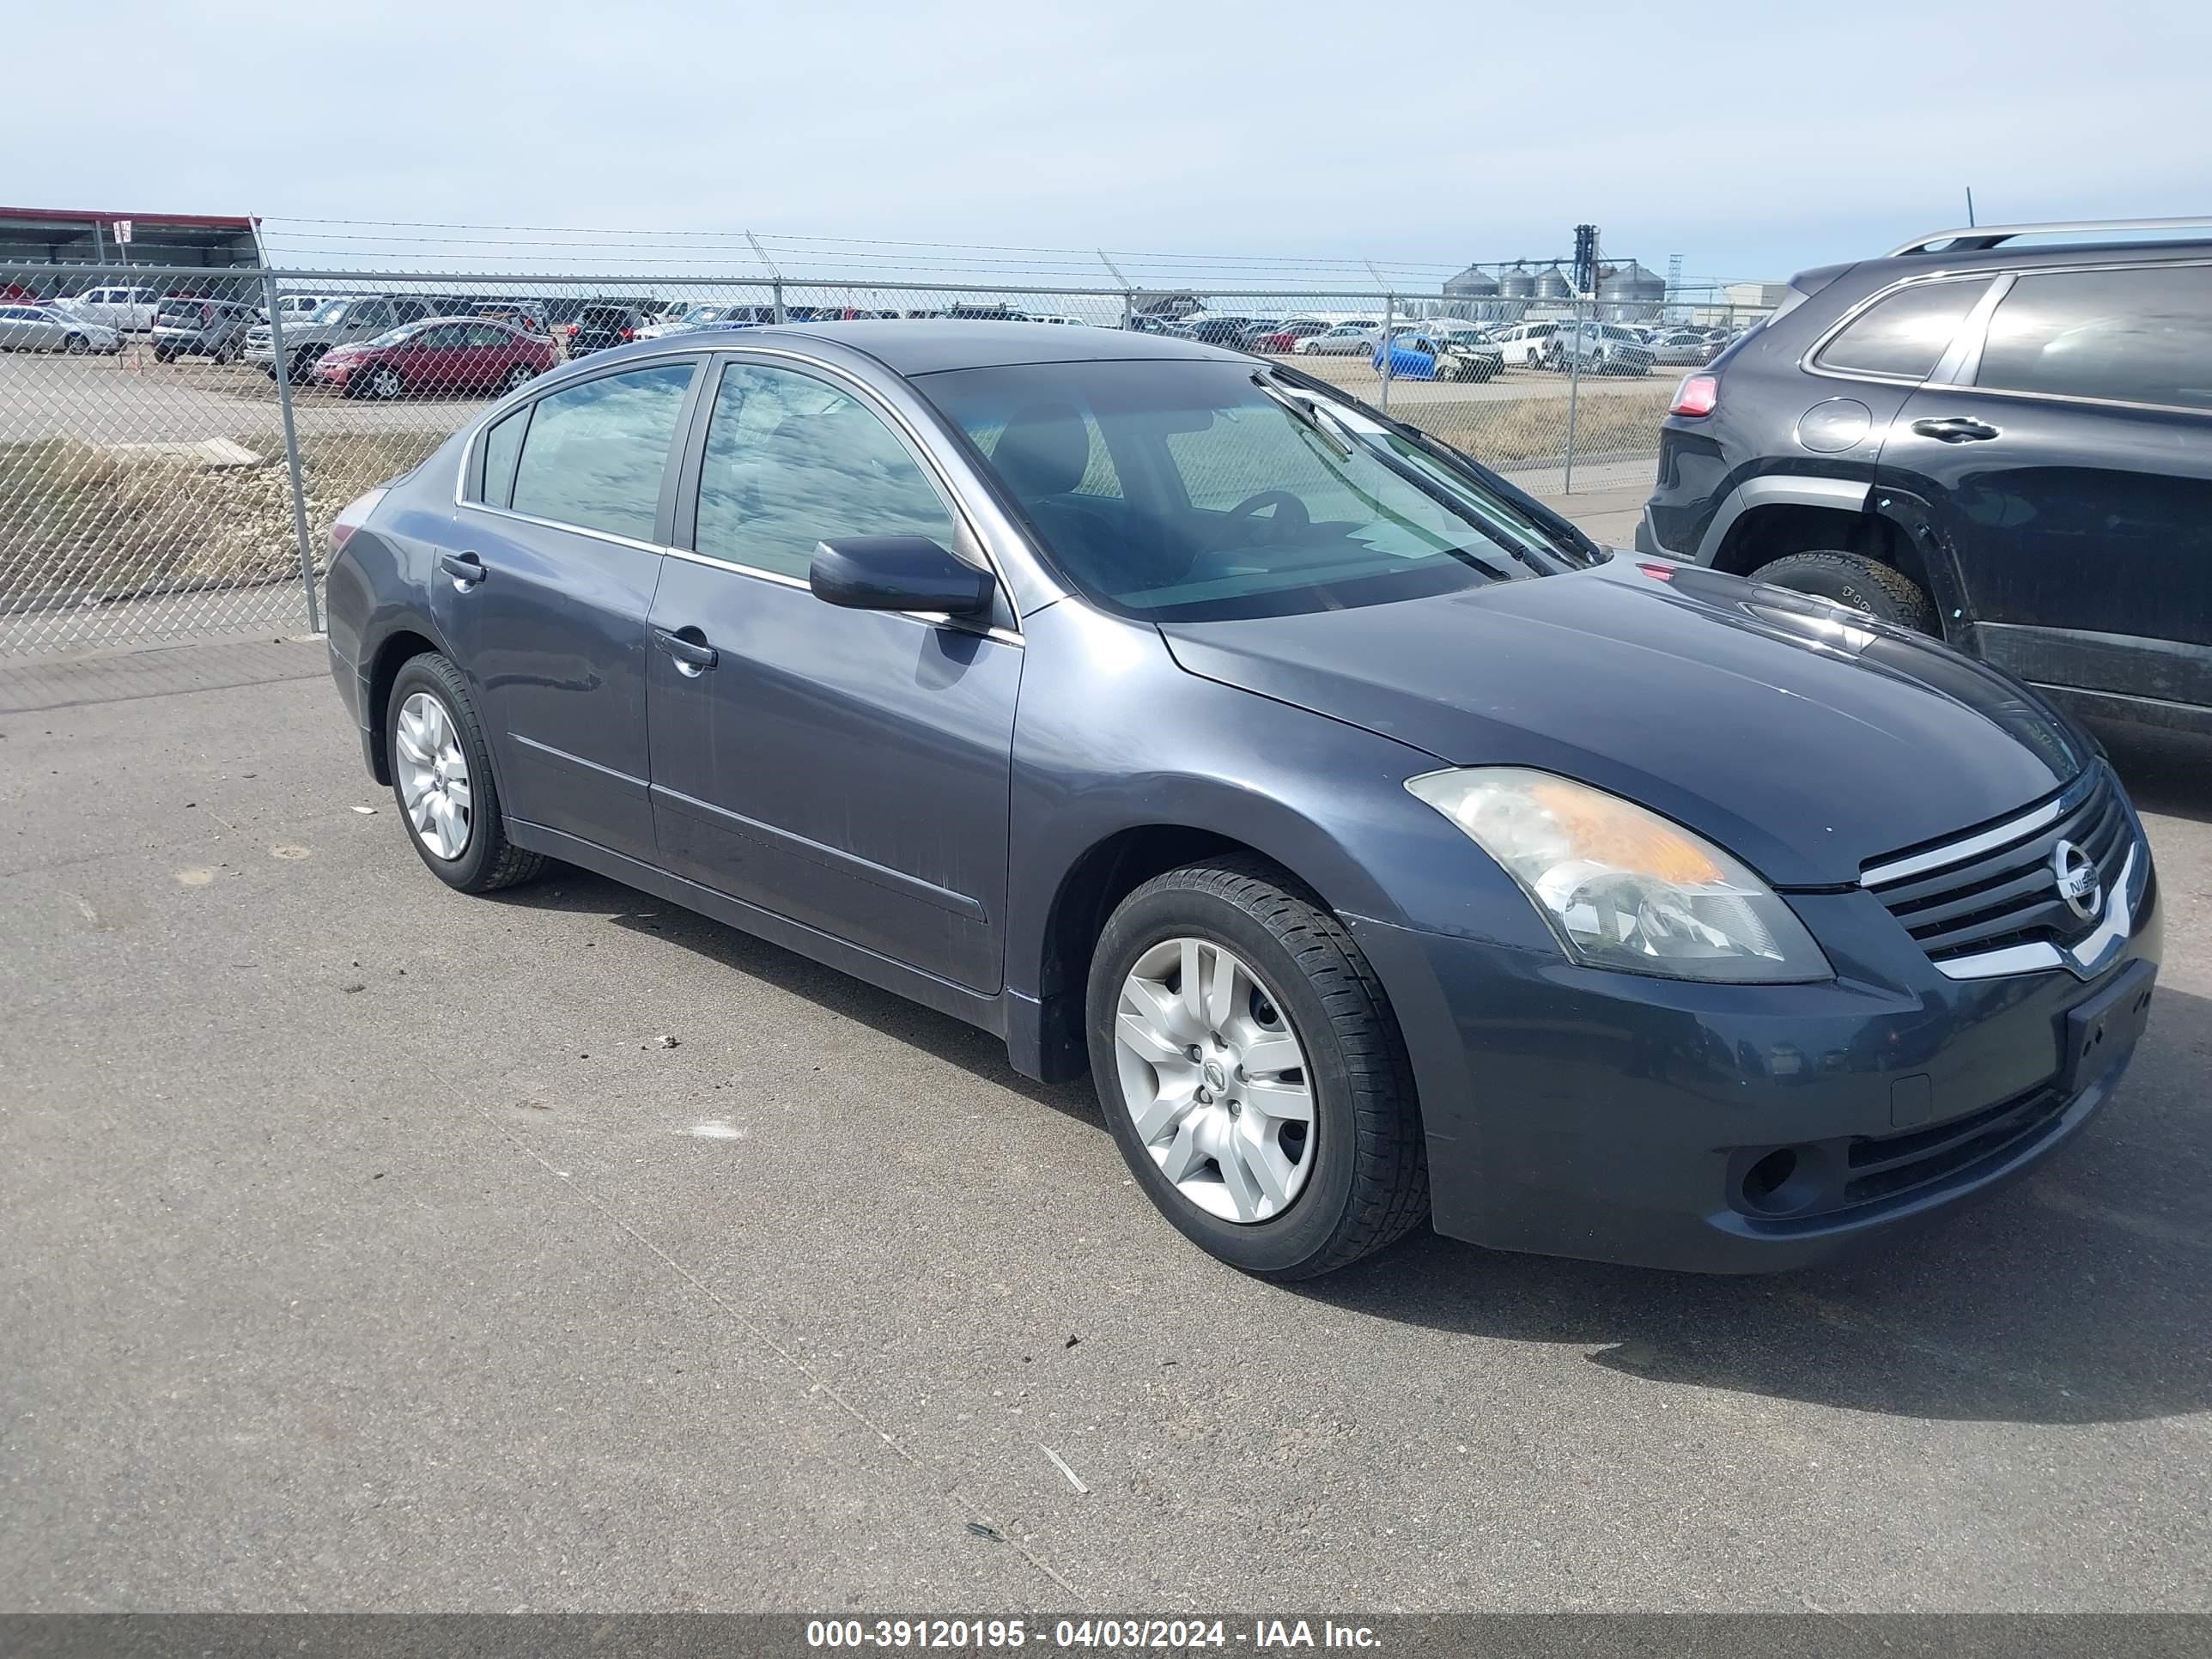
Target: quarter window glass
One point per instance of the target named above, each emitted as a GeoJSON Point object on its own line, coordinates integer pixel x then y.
{"type": "Point", "coordinates": [791, 461]}
{"type": "Point", "coordinates": [1905, 334]}
{"type": "Point", "coordinates": [2141, 335]}
{"type": "Point", "coordinates": [501, 445]}
{"type": "Point", "coordinates": [596, 452]}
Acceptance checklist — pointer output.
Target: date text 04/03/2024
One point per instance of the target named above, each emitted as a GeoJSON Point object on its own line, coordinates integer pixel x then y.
{"type": "Point", "coordinates": [1262, 1635]}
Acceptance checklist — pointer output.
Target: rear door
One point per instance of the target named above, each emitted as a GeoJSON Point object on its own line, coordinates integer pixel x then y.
{"type": "Point", "coordinates": [558, 553]}
{"type": "Point", "coordinates": [2066, 453]}
{"type": "Point", "coordinates": [846, 769]}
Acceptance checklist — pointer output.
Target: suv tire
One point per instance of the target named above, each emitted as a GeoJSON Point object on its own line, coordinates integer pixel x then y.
{"type": "Point", "coordinates": [1850, 578]}
{"type": "Point", "coordinates": [1367, 1182]}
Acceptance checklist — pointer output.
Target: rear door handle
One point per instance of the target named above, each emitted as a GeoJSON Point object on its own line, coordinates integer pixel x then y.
{"type": "Point", "coordinates": [1955, 429]}
{"type": "Point", "coordinates": [465, 569]}
{"type": "Point", "coordinates": [692, 656]}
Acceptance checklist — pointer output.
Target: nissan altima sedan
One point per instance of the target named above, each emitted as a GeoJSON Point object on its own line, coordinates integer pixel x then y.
{"type": "Point", "coordinates": [1383, 849]}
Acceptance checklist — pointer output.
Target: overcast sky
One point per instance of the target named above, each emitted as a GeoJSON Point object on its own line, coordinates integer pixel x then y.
{"type": "Point", "coordinates": [1751, 138]}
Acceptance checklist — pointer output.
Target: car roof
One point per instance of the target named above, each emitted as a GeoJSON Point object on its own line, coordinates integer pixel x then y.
{"type": "Point", "coordinates": [915, 345]}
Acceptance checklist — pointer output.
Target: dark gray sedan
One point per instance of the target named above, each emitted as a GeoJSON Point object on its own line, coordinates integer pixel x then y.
{"type": "Point", "coordinates": [1383, 849]}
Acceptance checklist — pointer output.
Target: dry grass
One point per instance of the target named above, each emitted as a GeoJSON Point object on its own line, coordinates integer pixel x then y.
{"type": "Point", "coordinates": [90, 522]}
{"type": "Point", "coordinates": [1533, 431]}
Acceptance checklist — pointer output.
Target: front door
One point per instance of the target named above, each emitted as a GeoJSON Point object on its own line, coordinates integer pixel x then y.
{"type": "Point", "coordinates": [2073, 479]}
{"type": "Point", "coordinates": [546, 603]}
{"type": "Point", "coordinates": [846, 769]}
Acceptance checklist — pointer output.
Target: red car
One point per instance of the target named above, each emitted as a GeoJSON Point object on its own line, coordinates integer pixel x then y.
{"type": "Point", "coordinates": [449, 356]}
{"type": "Point", "coordinates": [1286, 337]}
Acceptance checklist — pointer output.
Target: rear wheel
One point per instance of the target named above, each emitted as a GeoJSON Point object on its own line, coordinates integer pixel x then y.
{"type": "Point", "coordinates": [520, 375]}
{"type": "Point", "coordinates": [442, 778]}
{"type": "Point", "coordinates": [1853, 579]}
{"type": "Point", "coordinates": [77, 345]}
{"type": "Point", "coordinates": [1253, 1073]}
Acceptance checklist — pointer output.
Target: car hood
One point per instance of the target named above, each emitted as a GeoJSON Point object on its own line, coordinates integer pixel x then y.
{"type": "Point", "coordinates": [1803, 738]}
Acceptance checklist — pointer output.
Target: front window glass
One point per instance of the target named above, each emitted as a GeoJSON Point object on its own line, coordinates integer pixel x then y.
{"type": "Point", "coordinates": [1224, 503]}
{"type": "Point", "coordinates": [791, 461]}
{"type": "Point", "coordinates": [596, 451]}
{"type": "Point", "coordinates": [333, 311]}
{"type": "Point", "coordinates": [2141, 335]}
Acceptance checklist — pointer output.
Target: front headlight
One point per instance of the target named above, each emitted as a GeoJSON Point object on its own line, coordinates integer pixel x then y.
{"type": "Point", "coordinates": [1622, 886]}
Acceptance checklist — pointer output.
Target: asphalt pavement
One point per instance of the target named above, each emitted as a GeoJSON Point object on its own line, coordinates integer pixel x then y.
{"type": "Point", "coordinates": [368, 1248]}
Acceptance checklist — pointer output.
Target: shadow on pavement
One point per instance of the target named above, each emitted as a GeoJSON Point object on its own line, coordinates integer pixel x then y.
{"type": "Point", "coordinates": [2168, 773]}
{"type": "Point", "coordinates": [2082, 1294]}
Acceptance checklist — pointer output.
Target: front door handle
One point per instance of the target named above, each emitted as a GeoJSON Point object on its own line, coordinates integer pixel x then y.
{"type": "Point", "coordinates": [1955, 429]}
{"type": "Point", "coordinates": [465, 569]}
{"type": "Point", "coordinates": [692, 656]}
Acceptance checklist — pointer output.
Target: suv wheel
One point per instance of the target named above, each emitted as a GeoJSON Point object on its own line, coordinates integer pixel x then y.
{"type": "Point", "coordinates": [442, 778]}
{"type": "Point", "coordinates": [1253, 1073]}
{"type": "Point", "coordinates": [1880, 590]}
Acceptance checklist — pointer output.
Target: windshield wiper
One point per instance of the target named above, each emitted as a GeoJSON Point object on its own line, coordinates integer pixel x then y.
{"type": "Point", "coordinates": [1305, 415]}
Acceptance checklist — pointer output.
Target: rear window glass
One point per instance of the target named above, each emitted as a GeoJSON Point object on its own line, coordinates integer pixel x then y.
{"type": "Point", "coordinates": [1905, 333]}
{"type": "Point", "coordinates": [595, 453]}
{"type": "Point", "coordinates": [2143, 336]}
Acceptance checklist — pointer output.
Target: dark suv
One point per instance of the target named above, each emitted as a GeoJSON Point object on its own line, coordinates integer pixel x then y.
{"type": "Point", "coordinates": [2010, 446]}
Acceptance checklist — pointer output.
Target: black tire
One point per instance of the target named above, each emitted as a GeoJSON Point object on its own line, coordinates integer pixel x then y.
{"type": "Point", "coordinates": [303, 364]}
{"type": "Point", "coordinates": [1369, 1183]}
{"type": "Point", "coordinates": [1880, 590]}
{"type": "Point", "coordinates": [163, 355]}
{"type": "Point", "coordinates": [489, 860]}
{"type": "Point", "coordinates": [77, 345]}
{"type": "Point", "coordinates": [520, 375]}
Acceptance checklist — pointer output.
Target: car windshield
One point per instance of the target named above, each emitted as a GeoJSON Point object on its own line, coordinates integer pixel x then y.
{"type": "Point", "coordinates": [332, 311]}
{"type": "Point", "coordinates": [1178, 491]}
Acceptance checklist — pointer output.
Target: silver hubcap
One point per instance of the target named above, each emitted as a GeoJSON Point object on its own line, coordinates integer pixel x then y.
{"type": "Point", "coordinates": [433, 775]}
{"type": "Point", "coordinates": [1214, 1080]}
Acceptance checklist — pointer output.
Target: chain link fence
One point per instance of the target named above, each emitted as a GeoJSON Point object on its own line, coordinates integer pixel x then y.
{"type": "Point", "coordinates": [175, 443]}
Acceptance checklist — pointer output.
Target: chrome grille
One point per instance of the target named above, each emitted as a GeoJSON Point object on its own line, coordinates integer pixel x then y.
{"type": "Point", "coordinates": [1995, 889]}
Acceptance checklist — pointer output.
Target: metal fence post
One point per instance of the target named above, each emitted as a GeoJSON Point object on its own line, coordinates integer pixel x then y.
{"type": "Point", "coordinates": [1574, 397]}
{"type": "Point", "coordinates": [283, 368]}
{"type": "Point", "coordinates": [1389, 316]}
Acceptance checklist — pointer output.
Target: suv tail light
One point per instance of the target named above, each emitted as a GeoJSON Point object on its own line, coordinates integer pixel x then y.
{"type": "Point", "coordinates": [1698, 394]}
{"type": "Point", "coordinates": [354, 515]}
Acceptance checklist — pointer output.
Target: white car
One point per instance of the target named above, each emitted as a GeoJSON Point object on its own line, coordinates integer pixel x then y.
{"type": "Point", "coordinates": [48, 328]}
{"type": "Point", "coordinates": [1352, 339]}
{"type": "Point", "coordinates": [130, 310]}
{"type": "Point", "coordinates": [1526, 345]}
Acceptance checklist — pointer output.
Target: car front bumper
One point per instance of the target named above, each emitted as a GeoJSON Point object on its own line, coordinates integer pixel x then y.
{"type": "Point", "coordinates": [1617, 1117]}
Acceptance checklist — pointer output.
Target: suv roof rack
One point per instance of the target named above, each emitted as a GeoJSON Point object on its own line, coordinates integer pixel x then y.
{"type": "Point", "coordinates": [1976, 238]}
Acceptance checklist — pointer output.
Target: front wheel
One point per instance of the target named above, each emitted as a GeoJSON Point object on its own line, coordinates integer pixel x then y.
{"type": "Point", "coordinates": [1253, 1073]}
{"type": "Point", "coordinates": [1850, 578]}
{"type": "Point", "coordinates": [442, 778]}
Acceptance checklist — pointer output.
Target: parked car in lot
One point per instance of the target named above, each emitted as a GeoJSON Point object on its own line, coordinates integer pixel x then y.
{"type": "Point", "coordinates": [1526, 345]}
{"type": "Point", "coordinates": [597, 327]}
{"type": "Point", "coordinates": [445, 356]}
{"type": "Point", "coordinates": [1683, 349]}
{"type": "Point", "coordinates": [1424, 356]}
{"type": "Point", "coordinates": [1284, 336]}
{"type": "Point", "coordinates": [1351, 339]}
{"type": "Point", "coordinates": [126, 310]}
{"type": "Point", "coordinates": [296, 308]}
{"type": "Point", "coordinates": [1597, 349]}
{"type": "Point", "coordinates": [2007, 445]}
{"type": "Point", "coordinates": [202, 328]}
{"type": "Point", "coordinates": [45, 328]}
{"type": "Point", "coordinates": [333, 324]}
{"type": "Point", "coordinates": [1464, 881]}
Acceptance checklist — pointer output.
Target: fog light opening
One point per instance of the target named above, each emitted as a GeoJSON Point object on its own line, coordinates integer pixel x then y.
{"type": "Point", "coordinates": [1781, 1182]}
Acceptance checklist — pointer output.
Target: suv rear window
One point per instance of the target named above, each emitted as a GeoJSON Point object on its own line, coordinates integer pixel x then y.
{"type": "Point", "coordinates": [2143, 336]}
{"type": "Point", "coordinates": [1905, 333]}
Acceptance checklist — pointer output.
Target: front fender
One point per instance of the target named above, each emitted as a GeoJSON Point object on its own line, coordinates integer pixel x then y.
{"type": "Point", "coordinates": [1113, 737]}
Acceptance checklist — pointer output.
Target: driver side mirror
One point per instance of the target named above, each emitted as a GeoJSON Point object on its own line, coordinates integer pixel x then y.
{"type": "Point", "coordinates": [897, 573]}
